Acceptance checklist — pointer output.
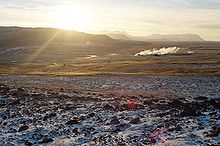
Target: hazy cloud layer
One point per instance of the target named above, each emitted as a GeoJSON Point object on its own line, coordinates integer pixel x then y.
{"type": "Point", "coordinates": [192, 4]}
{"type": "Point", "coordinates": [210, 26]}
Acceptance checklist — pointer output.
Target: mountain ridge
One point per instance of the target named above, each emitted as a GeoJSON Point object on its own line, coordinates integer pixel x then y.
{"type": "Point", "coordinates": [154, 37]}
{"type": "Point", "coordinates": [171, 37]}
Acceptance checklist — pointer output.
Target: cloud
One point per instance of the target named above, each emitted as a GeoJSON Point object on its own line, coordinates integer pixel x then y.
{"type": "Point", "coordinates": [156, 4]}
{"type": "Point", "coordinates": [181, 4]}
{"type": "Point", "coordinates": [209, 26]}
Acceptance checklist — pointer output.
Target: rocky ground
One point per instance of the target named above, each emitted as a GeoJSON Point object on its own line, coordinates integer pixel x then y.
{"type": "Point", "coordinates": [54, 111]}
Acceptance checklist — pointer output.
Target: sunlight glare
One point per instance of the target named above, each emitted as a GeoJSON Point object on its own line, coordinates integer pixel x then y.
{"type": "Point", "coordinates": [73, 18]}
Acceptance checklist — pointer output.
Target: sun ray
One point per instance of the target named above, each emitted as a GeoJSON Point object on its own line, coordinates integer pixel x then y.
{"type": "Point", "coordinates": [39, 50]}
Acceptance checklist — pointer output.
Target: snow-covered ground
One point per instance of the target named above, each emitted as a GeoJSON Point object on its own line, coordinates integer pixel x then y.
{"type": "Point", "coordinates": [96, 110]}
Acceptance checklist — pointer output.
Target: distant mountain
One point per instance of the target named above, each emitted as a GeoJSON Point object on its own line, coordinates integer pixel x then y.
{"type": "Point", "coordinates": [154, 37]}
{"type": "Point", "coordinates": [18, 36]}
{"type": "Point", "coordinates": [171, 37]}
{"type": "Point", "coordinates": [118, 36]}
{"type": "Point", "coordinates": [112, 32]}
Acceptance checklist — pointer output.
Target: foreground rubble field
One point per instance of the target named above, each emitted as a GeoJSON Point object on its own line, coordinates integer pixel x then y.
{"type": "Point", "coordinates": [31, 114]}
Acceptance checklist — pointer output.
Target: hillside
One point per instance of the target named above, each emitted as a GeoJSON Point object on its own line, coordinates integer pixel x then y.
{"type": "Point", "coordinates": [18, 36]}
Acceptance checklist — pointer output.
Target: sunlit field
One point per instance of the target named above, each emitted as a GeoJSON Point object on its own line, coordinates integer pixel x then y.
{"type": "Point", "coordinates": [112, 58]}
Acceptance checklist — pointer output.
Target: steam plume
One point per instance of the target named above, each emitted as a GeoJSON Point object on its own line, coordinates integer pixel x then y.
{"type": "Point", "coordinates": [164, 51]}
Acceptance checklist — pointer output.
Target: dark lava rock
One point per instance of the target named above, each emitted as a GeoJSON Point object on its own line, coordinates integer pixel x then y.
{"type": "Point", "coordinates": [121, 107]}
{"type": "Point", "coordinates": [215, 132]}
{"type": "Point", "coordinates": [162, 114]}
{"type": "Point", "coordinates": [178, 128]}
{"type": "Point", "coordinates": [171, 121]}
{"type": "Point", "coordinates": [5, 89]}
{"type": "Point", "coordinates": [140, 106]}
{"type": "Point", "coordinates": [121, 127]}
{"type": "Point", "coordinates": [46, 140]}
{"type": "Point", "coordinates": [52, 115]}
{"type": "Point", "coordinates": [176, 103]}
{"type": "Point", "coordinates": [2, 103]}
{"type": "Point", "coordinates": [114, 121]}
{"type": "Point", "coordinates": [162, 102]}
{"type": "Point", "coordinates": [215, 103]}
{"type": "Point", "coordinates": [91, 115]}
{"type": "Point", "coordinates": [75, 130]}
{"type": "Point", "coordinates": [121, 144]}
{"type": "Point", "coordinates": [147, 102]}
{"type": "Point", "coordinates": [22, 128]}
{"type": "Point", "coordinates": [5, 96]}
{"type": "Point", "coordinates": [212, 113]}
{"type": "Point", "coordinates": [182, 99]}
{"type": "Point", "coordinates": [67, 106]}
{"type": "Point", "coordinates": [201, 98]}
{"type": "Point", "coordinates": [28, 143]}
{"type": "Point", "coordinates": [72, 121]}
{"type": "Point", "coordinates": [212, 144]}
{"type": "Point", "coordinates": [135, 120]}
{"type": "Point", "coordinates": [4, 117]}
{"type": "Point", "coordinates": [212, 102]}
{"type": "Point", "coordinates": [12, 130]}
{"type": "Point", "coordinates": [49, 116]}
{"type": "Point", "coordinates": [108, 107]}
{"type": "Point", "coordinates": [45, 118]}
{"type": "Point", "coordinates": [190, 111]}
{"type": "Point", "coordinates": [20, 90]}
{"type": "Point", "coordinates": [87, 128]}
{"type": "Point", "coordinates": [15, 102]}
{"type": "Point", "coordinates": [81, 118]}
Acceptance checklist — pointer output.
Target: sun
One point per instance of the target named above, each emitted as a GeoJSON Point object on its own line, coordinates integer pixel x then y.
{"type": "Point", "coordinates": [73, 18]}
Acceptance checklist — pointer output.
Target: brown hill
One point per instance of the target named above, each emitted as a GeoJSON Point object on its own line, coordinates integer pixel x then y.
{"type": "Point", "coordinates": [18, 36]}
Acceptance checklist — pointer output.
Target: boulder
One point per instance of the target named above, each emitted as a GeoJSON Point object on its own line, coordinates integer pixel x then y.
{"type": "Point", "coordinates": [23, 128]}
{"type": "Point", "coordinates": [114, 121]}
{"type": "Point", "coordinates": [108, 107]}
{"type": "Point", "coordinates": [72, 121]}
{"type": "Point", "coordinates": [46, 140]}
{"type": "Point", "coordinates": [135, 120]}
{"type": "Point", "coordinates": [201, 98]}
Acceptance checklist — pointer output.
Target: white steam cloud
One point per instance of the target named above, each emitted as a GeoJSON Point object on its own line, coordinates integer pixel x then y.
{"type": "Point", "coordinates": [164, 51]}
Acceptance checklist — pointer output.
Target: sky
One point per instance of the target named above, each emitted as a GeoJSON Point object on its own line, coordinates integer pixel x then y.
{"type": "Point", "coordinates": [136, 17]}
